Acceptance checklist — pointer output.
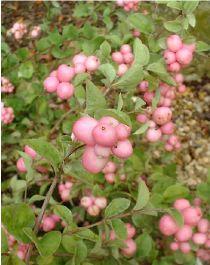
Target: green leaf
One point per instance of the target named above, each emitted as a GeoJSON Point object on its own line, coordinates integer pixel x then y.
{"type": "Point", "coordinates": [191, 20]}
{"type": "Point", "coordinates": [4, 242]}
{"type": "Point", "coordinates": [142, 129]}
{"type": "Point", "coordinates": [177, 216]}
{"type": "Point", "coordinates": [143, 196]}
{"type": "Point", "coordinates": [46, 150]}
{"type": "Point", "coordinates": [144, 245]}
{"type": "Point", "coordinates": [22, 53]}
{"type": "Point", "coordinates": [24, 217]}
{"type": "Point", "coordinates": [105, 50]}
{"type": "Point", "coordinates": [43, 44]}
{"type": "Point", "coordinates": [139, 103]}
{"type": "Point", "coordinates": [26, 70]}
{"type": "Point", "coordinates": [70, 243]}
{"type": "Point", "coordinates": [70, 32]}
{"type": "Point", "coordinates": [156, 99]}
{"type": "Point", "coordinates": [131, 78]}
{"type": "Point", "coordinates": [94, 98]}
{"type": "Point", "coordinates": [202, 46]}
{"type": "Point", "coordinates": [64, 213]}
{"type": "Point", "coordinates": [108, 71]}
{"type": "Point", "coordinates": [49, 243]}
{"type": "Point", "coordinates": [119, 228]}
{"type": "Point", "coordinates": [143, 23]}
{"type": "Point", "coordinates": [173, 26]}
{"type": "Point", "coordinates": [117, 206]}
{"type": "Point", "coordinates": [120, 102]}
{"type": "Point", "coordinates": [119, 115]}
{"type": "Point", "coordinates": [175, 4]}
{"type": "Point", "coordinates": [60, 54]}
{"type": "Point", "coordinates": [174, 192]}
{"type": "Point", "coordinates": [203, 191]}
{"type": "Point", "coordinates": [79, 79]}
{"type": "Point", "coordinates": [36, 198]}
{"type": "Point", "coordinates": [190, 6]}
{"type": "Point", "coordinates": [88, 235]}
{"type": "Point", "coordinates": [141, 52]}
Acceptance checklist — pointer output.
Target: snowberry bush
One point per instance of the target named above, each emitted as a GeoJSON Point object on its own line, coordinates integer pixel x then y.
{"type": "Point", "coordinates": [89, 136]}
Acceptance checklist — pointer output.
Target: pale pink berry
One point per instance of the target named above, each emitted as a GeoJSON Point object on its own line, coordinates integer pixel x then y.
{"type": "Point", "coordinates": [85, 124]}
{"type": "Point", "coordinates": [123, 149]}
{"type": "Point", "coordinates": [101, 202]}
{"type": "Point", "coordinates": [169, 147]}
{"type": "Point", "coordinates": [122, 69]}
{"type": "Point", "coordinates": [48, 224]}
{"type": "Point", "coordinates": [65, 195]}
{"type": "Point", "coordinates": [179, 78]}
{"type": "Point", "coordinates": [143, 86]}
{"type": "Point", "coordinates": [184, 233]}
{"type": "Point", "coordinates": [117, 57]}
{"type": "Point", "coordinates": [122, 131]}
{"type": "Point", "coordinates": [153, 135]}
{"type": "Point", "coordinates": [109, 120]}
{"type": "Point", "coordinates": [174, 246]}
{"type": "Point", "coordinates": [79, 59]}
{"type": "Point", "coordinates": [191, 216]}
{"type": "Point", "coordinates": [207, 244]}
{"type": "Point", "coordinates": [174, 67]}
{"type": "Point", "coordinates": [86, 201]}
{"type": "Point", "coordinates": [112, 235]}
{"type": "Point", "coordinates": [197, 202]}
{"type": "Point", "coordinates": [68, 184]}
{"type": "Point", "coordinates": [203, 226]}
{"type": "Point", "coordinates": [181, 204]}
{"type": "Point", "coordinates": [184, 56]}
{"type": "Point", "coordinates": [170, 94]}
{"type": "Point", "coordinates": [110, 177]}
{"type": "Point", "coordinates": [130, 248]}
{"type": "Point", "coordinates": [168, 128]}
{"type": "Point", "coordinates": [136, 33]}
{"type": "Point", "coordinates": [174, 43]}
{"type": "Point", "coordinates": [199, 238]}
{"type": "Point", "coordinates": [53, 73]}
{"type": "Point", "coordinates": [92, 63]}
{"type": "Point", "coordinates": [162, 115]}
{"type": "Point", "coordinates": [128, 58]}
{"type": "Point", "coordinates": [102, 150]}
{"type": "Point", "coordinates": [65, 90]}
{"type": "Point", "coordinates": [50, 84]}
{"type": "Point", "coordinates": [109, 168]}
{"type": "Point", "coordinates": [182, 88]}
{"type": "Point", "coordinates": [61, 187]}
{"type": "Point", "coordinates": [93, 210]}
{"type": "Point", "coordinates": [79, 68]}
{"type": "Point", "coordinates": [125, 48]}
{"type": "Point", "coordinates": [185, 247]}
{"type": "Point", "coordinates": [142, 118]}
{"type": "Point", "coordinates": [166, 102]}
{"type": "Point", "coordinates": [151, 124]}
{"type": "Point", "coordinates": [105, 135]}
{"type": "Point", "coordinates": [173, 140]}
{"type": "Point", "coordinates": [21, 254]}
{"type": "Point", "coordinates": [120, 2]}
{"type": "Point", "coordinates": [123, 177]}
{"type": "Point", "coordinates": [148, 97]}
{"type": "Point", "coordinates": [131, 230]}
{"type": "Point", "coordinates": [55, 217]}
{"type": "Point", "coordinates": [7, 115]}
{"type": "Point", "coordinates": [91, 162]}
{"type": "Point", "coordinates": [167, 225]}
{"type": "Point", "coordinates": [190, 47]}
{"type": "Point", "coordinates": [21, 165]}
{"type": "Point", "coordinates": [170, 57]}
{"type": "Point", "coordinates": [29, 151]}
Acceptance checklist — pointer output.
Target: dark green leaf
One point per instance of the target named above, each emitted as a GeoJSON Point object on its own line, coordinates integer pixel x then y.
{"type": "Point", "coordinates": [141, 52]}
{"type": "Point", "coordinates": [143, 196]}
{"type": "Point", "coordinates": [144, 245]}
{"type": "Point", "coordinates": [117, 206]}
{"type": "Point", "coordinates": [64, 213]}
{"type": "Point", "coordinates": [143, 23]}
{"type": "Point", "coordinates": [108, 71]}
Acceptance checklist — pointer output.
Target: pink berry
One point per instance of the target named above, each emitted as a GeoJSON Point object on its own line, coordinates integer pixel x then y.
{"type": "Point", "coordinates": [179, 78]}
{"type": "Point", "coordinates": [174, 246]}
{"type": "Point", "coordinates": [86, 201]}
{"type": "Point", "coordinates": [91, 162]}
{"type": "Point", "coordinates": [122, 131]}
{"type": "Point", "coordinates": [125, 48]}
{"type": "Point", "coordinates": [197, 202]}
{"type": "Point", "coordinates": [167, 128]}
{"type": "Point", "coordinates": [184, 56]}
{"type": "Point", "coordinates": [185, 247]}
{"type": "Point", "coordinates": [190, 47]}
{"type": "Point", "coordinates": [48, 224]}
{"type": "Point", "coordinates": [170, 57]}
{"type": "Point", "coordinates": [65, 90]}
{"type": "Point", "coordinates": [162, 115]}
{"type": "Point", "coordinates": [109, 120]}
{"type": "Point", "coordinates": [79, 68]}
{"type": "Point", "coordinates": [182, 88]}
{"type": "Point", "coordinates": [65, 195]}
{"type": "Point", "coordinates": [68, 184]}
{"type": "Point", "coordinates": [112, 235]}
{"type": "Point", "coordinates": [143, 86]}
{"type": "Point", "coordinates": [102, 150]}
{"type": "Point", "coordinates": [148, 97]}
{"type": "Point", "coordinates": [92, 63]}
{"type": "Point", "coordinates": [181, 204]}
{"type": "Point", "coordinates": [199, 238]}
{"type": "Point", "coordinates": [55, 217]}
{"type": "Point", "coordinates": [131, 231]}
{"type": "Point", "coordinates": [61, 187]}
{"type": "Point", "coordinates": [21, 165]}
{"type": "Point", "coordinates": [109, 168]}
{"type": "Point", "coordinates": [207, 244]}
{"type": "Point", "coordinates": [151, 124]}
{"type": "Point", "coordinates": [130, 248]}
{"type": "Point", "coordinates": [85, 124]}
{"type": "Point", "coordinates": [136, 33]}
{"type": "Point", "coordinates": [174, 43]}
{"type": "Point", "coordinates": [123, 149]}
{"type": "Point", "coordinates": [50, 84]}
{"type": "Point", "coordinates": [174, 67]}
{"type": "Point", "coordinates": [141, 118]}
{"type": "Point", "coordinates": [128, 58]}
{"type": "Point", "coordinates": [168, 147]}
{"type": "Point", "coordinates": [53, 74]}
{"type": "Point", "coordinates": [122, 69]}
{"type": "Point", "coordinates": [167, 225]}
{"type": "Point", "coordinates": [101, 202]}
{"type": "Point", "coordinates": [79, 59]}
{"type": "Point", "coordinates": [153, 135]}
{"type": "Point", "coordinates": [110, 177]}
{"type": "Point", "coordinates": [29, 151]}
{"type": "Point", "coordinates": [93, 210]}
{"type": "Point", "coordinates": [184, 233]}
{"type": "Point", "coordinates": [203, 226]}
{"type": "Point", "coordinates": [65, 73]}
{"type": "Point", "coordinates": [117, 57]}
{"type": "Point", "coordinates": [173, 140]}
{"type": "Point", "coordinates": [191, 216]}
{"type": "Point", "coordinates": [105, 135]}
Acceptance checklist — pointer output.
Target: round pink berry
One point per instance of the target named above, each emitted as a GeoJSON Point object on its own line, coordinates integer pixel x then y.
{"type": "Point", "coordinates": [101, 202]}
{"type": "Point", "coordinates": [79, 68]}
{"type": "Point", "coordinates": [203, 226]}
{"type": "Point", "coordinates": [184, 56]}
{"type": "Point", "coordinates": [167, 225]}
{"type": "Point", "coordinates": [48, 224]}
{"type": "Point", "coordinates": [110, 177]}
{"type": "Point", "coordinates": [122, 131]}
{"type": "Point", "coordinates": [181, 204]}
{"type": "Point", "coordinates": [143, 86]}
{"type": "Point", "coordinates": [174, 67]}
{"type": "Point", "coordinates": [102, 150]}
{"type": "Point", "coordinates": [191, 216]}
{"type": "Point", "coordinates": [123, 149]}
{"type": "Point", "coordinates": [117, 57]}
{"type": "Point", "coordinates": [109, 168]}
{"type": "Point", "coordinates": [29, 151]}
{"type": "Point", "coordinates": [86, 201]}
{"type": "Point", "coordinates": [167, 128]}
{"type": "Point", "coordinates": [109, 120]}
{"type": "Point", "coordinates": [92, 63]}
{"type": "Point", "coordinates": [93, 210]}
{"type": "Point", "coordinates": [174, 246]}
{"type": "Point", "coordinates": [65, 90]}
{"type": "Point", "coordinates": [50, 84]}
{"type": "Point", "coordinates": [184, 233]}
{"type": "Point", "coordinates": [130, 248]}
{"type": "Point", "coordinates": [122, 69]}
{"type": "Point", "coordinates": [142, 118]}
{"type": "Point", "coordinates": [170, 57]}
{"type": "Point", "coordinates": [174, 43]}
{"type": "Point", "coordinates": [128, 58]}
{"type": "Point", "coordinates": [21, 165]}
{"type": "Point", "coordinates": [185, 247]}
{"type": "Point", "coordinates": [105, 135]}
{"type": "Point", "coordinates": [65, 73]}
{"type": "Point", "coordinates": [199, 238]}
{"type": "Point", "coordinates": [153, 135]}
{"type": "Point", "coordinates": [162, 115]}
{"type": "Point", "coordinates": [125, 48]}
{"type": "Point", "coordinates": [131, 231]}
{"type": "Point", "coordinates": [79, 59]}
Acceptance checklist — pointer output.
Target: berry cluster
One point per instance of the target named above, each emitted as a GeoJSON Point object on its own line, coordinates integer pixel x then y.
{"type": "Point", "coordinates": [35, 32]}
{"type": "Point", "coordinates": [93, 205]}
{"type": "Point", "coordinates": [178, 55]}
{"type": "Point", "coordinates": [64, 190]}
{"type": "Point", "coordinates": [194, 231]}
{"type": "Point", "coordinates": [6, 85]}
{"type": "Point", "coordinates": [20, 163]}
{"type": "Point", "coordinates": [102, 138]}
{"type": "Point", "coordinates": [59, 80]}
{"type": "Point", "coordinates": [49, 222]}
{"type": "Point", "coordinates": [130, 245]}
{"type": "Point", "coordinates": [7, 114]}
{"type": "Point", "coordinates": [128, 5]}
{"type": "Point", "coordinates": [19, 29]}
{"type": "Point", "coordinates": [123, 58]}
